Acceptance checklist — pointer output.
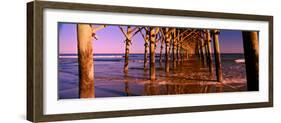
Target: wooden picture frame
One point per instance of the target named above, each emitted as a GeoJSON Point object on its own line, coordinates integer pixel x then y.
{"type": "Point", "coordinates": [35, 61]}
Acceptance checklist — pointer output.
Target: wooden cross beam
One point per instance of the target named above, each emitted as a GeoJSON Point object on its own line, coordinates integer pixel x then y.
{"type": "Point", "coordinates": [169, 31]}
{"type": "Point", "coordinates": [95, 29]}
{"type": "Point", "coordinates": [189, 34]}
{"type": "Point", "coordinates": [182, 33]}
{"type": "Point", "coordinates": [192, 36]}
{"type": "Point", "coordinates": [122, 30]}
{"type": "Point", "coordinates": [130, 33]}
{"type": "Point", "coordinates": [162, 33]}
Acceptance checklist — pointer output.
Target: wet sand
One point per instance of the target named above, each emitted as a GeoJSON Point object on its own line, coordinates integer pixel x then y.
{"type": "Point", "coordinates": [185, 77]}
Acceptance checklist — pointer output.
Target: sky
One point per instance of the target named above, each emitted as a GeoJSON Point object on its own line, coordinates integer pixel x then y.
{"type": "Point", "coordinates": [111, 40]}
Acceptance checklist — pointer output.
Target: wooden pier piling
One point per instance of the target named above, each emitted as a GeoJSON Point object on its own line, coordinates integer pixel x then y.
{"type": "Point", "coordinates": [167, 49]}
{"type": "Point", "coordinates": [146, 49]}
{"type": "Point", "coordinates": [210, 60]}
{"type": "Point", "coordinates": [206, 50]}
{"type": "Point", "coordinates": [127, 49]}
{"type": "Point", "coordinates": [187, 53]}
{"type": "Point", "coordinates": [174, 48]}
{"type": "Point", "coordinates": [251, 53]}
{"type": "Point", "coordinates": [152, 37]}
{"type": "Point", "coordinates": [161, 50]}
{"type": "Point", "coordinates": [217, 55]}
{"type": "Point", "coordinates": [178, 44]}
{"type": "Point", "coordinates": [85, 61]}
{"type": "Point", "coordinates": [146, 46]}
{"type": "Point", "coordinates": [181, 53]}
{"type": "Point", "coordinates": [203, 51]}
{"type": "Point", "coordinates": [198, 50]}
{"type": "Point", "coordinates": [126, 85]}
{"type": "Point", "coordinates": [178, 52]}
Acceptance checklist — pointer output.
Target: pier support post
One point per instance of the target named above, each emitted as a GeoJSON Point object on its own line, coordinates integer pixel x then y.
{"type": "Point", "coordinates": [198, 50]}
{"type": "Point", "coordinates": [126, 84]}
{"type": "Point", "coordinates": [174, 52]}
{"type": "Point", "coordinates": [210, 60]}
{"type": "Point", "coordinates": [203, 52]}
{"type": "Point", "coordinates": [171, 48]}
{"type": "Point", "coordinates": [127, 48]}
{"type": "Point", "coordinates": [187, 54]}
{"type": "Point", "coordinates": [251, 52]}
{"type": "Point", "coordinates": [179, 46]}
{"type": "Point", "coordinates": [174, 48]}
{"type": "Point", "coordinates": [152, 38]}
{"type": "Point", "coordinates": [217, 55]}
{"type": "Point", "coordinates": [205, 46]}
{"type": "Point", "coordinates": [206, 50]}
{"type": "Point", "coordinates": [181, 53]}
{"type": "Point", "coordinates": [178, 52]}
{"type": "Point", "coordinates": [167, 50]}
{"type": "Point", "coordinates": [85, 61]}
{"type": "Point", "coordinates": [161, 50]}
{"type": "Point", "coordinates": [146, 49]}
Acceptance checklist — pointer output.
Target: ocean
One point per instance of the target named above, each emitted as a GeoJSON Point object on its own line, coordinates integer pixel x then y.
{"type": "Point", "coordinates": [185, 77]}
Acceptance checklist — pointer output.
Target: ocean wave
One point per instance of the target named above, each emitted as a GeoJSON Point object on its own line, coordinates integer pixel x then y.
{"type": "Point", "coordinates": [112, 56]}
{"type": "Point", "coordinates": [240, 61]}
{"type": "Point", "coordinates": [137, 61]}
{"type": "Point", "coordinates": [68, 56]}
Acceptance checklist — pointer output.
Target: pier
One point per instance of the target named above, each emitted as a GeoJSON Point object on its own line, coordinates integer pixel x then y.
{"type": "Point", "coordinates": [178, 46]}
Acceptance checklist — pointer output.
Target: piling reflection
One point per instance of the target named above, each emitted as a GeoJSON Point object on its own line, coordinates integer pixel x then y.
{"type": "Point", "coordinates": [182, 88]}
{"type": "Point", "coordinates": [190, 77]}
{"type": "Point", "coordinates": [126, 84]}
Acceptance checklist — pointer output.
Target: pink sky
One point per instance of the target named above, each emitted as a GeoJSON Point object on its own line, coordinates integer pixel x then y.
{"type": "Point", "coordinates": [111, 40]}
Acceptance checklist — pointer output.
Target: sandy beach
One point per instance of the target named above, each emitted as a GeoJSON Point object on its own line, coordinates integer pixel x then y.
{"type": "Point", "coordinates": [185, 77]}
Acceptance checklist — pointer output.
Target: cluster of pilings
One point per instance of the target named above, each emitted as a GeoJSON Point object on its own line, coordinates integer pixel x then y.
{"type": "Point", "coordinates": [178, 43]}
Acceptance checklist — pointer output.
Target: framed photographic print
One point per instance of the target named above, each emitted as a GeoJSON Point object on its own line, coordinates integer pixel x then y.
{"type": "Point", "coordinates": [95, 61]}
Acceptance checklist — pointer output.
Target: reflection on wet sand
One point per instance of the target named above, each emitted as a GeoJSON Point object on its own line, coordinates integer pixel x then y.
{"type": "Point", "coordinates": [189, 76]}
